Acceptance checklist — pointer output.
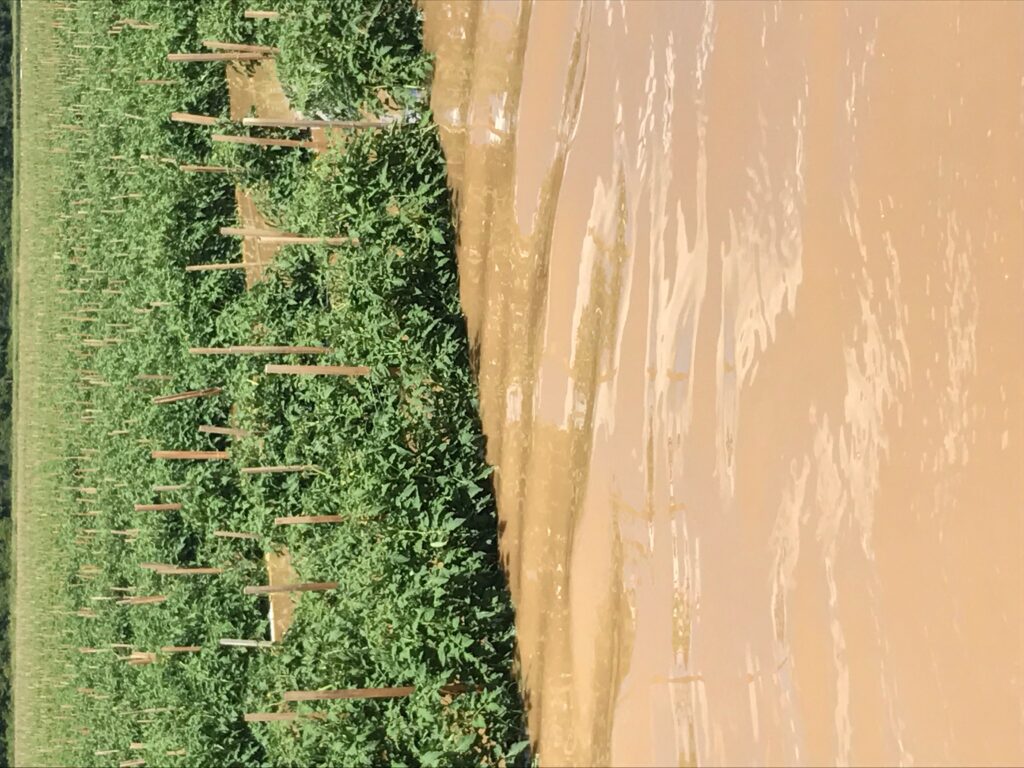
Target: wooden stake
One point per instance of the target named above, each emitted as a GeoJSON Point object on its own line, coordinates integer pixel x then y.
{"type": "Point", "coordinates": [172, 507]}
{"type": "Point", "coordinates": [302, 240]}
{"type": "Point", "coordinates": [215, 267]}
{"type": "Point", "coordinates": [318, 370]}
{"type": "Point", "coordinates": [208, 392]}
{"type": "Point", "coordinates": [188, 455]}
{"type": "Point", "coordinates": [279, 469]}
{"type": "Point", "coordinates": [142, 600]}
{"type": "Point", "coordinates": [303, 519]}
{"type": "Point", "coordinates": [270, 15]}
{"type": "Point", "coordinates": [185, 117]}
{"type": "Point", "coordinates": [269, 717]}
{"type": "Point", "coordinates": [267, 350]}
{"type": "Point", "coordinates": [270, 122]}
{"type": "Point", "coordinates": [228, 56]}
{"type": "Point", "coordinates": [215, 45]}
{"type": "Point", "coordinates": [308, 586]}
{"type": "Point", "coordinates": [199, 571]}
{"type": "Point", "coordinates": [156, 567]}
{"type": "Point", "coordinates": [204, 168]}
{"type": "Point", "coordinates": [235, 535]}
{"type": "Point", "coordinates": [259, 142]}
{"type": "Point", "coordinates": [248, 231]}
{"type": "Point", "coordinates": [231, 432]}
{"type": "Point", "coordinates": [181, 649]}
{"type": "Point", "coordinates": [165, 488]}
{"type": "Point", "coordinates": [235, 643]}
{"type": "Point", "coordinates": [366, 693]}
{"type": "Point", "coordinates": [350, 693]}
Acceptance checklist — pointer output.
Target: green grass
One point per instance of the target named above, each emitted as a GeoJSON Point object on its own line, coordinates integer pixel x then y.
{"type": "Point", "coordinates": [422, 599]}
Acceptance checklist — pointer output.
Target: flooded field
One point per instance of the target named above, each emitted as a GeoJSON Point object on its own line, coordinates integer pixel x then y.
{"type": "Point", "coordinates": [745, 284]}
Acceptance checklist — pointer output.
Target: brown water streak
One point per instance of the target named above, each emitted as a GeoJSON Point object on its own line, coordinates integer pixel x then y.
{"type": "Point", "coordinates": [744, 280]}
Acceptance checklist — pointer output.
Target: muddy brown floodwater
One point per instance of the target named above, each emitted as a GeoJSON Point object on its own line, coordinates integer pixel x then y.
{"type": "Point", "coordinates": [745, 282]}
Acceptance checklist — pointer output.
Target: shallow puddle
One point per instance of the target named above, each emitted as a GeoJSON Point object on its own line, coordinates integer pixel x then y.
{"type": "Point", "coordinates": [745, 284]}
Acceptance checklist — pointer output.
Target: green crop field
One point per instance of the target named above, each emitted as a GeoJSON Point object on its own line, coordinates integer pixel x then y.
{"type": "Point", "coordinates": [338, 387]}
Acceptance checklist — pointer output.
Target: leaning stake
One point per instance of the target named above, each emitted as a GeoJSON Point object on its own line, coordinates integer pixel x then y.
{"type": "Point", "coordinates": [186, 117]}
{"type": "Point", "coordinates": [191, 394]}
{"type": "Point", "coordinates": [318, 370]}
{"type": "Point", "coordinates": [350, 693]}
{"type": "Point", "coordinates": [260, 350]}
{"type": "Point", "coordinates": [270, 122]}
{"type": "Point", "coordinates": [208, 429]}
{"type": "Point", "coordinates": [217, 45]}
{"type": "Point", "coordinates": [242, 643]}
{"type": "Point", "coordinates": [367, 693]}
{"type": "Point", "coordinates": [186, 455]}
{"type": "Point", "coordinates": [280, 469]}
{"type": "Point", "coordinates": [308, 586]}
{"type": "Point", "coordinates": [227, 56]}
{"type": "Point", "coordinates": [308, 519]}
{"type": "Point", "coordinates": [215, 267]}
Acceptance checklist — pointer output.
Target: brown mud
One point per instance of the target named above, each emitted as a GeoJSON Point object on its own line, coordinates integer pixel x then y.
{"type": "Point", "coordinates": [255, 90]}
{"type": "Point", "coordinates": [282, 604]}
{"type": "Point", "coordinates": [256, 254]}
{"type": "Point", "coordinates": [745, 283]}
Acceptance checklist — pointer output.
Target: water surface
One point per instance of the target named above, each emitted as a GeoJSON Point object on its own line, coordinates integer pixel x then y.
{"type": "Point", "coordinates": [745, 284]}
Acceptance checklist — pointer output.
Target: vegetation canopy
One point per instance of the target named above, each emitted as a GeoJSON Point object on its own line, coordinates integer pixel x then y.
{"type": "Point", "coordinates": [238, 340]}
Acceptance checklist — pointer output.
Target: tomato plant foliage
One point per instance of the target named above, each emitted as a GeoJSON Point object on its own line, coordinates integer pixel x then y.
{"type": "Point", "coordinates": [398, 453]}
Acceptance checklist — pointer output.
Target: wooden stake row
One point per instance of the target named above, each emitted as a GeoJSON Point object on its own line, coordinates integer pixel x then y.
{"type": "Point", "coordinates": [243, 52]}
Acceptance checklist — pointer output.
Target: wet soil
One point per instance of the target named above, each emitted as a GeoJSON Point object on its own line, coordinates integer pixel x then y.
{"type": "Point", "coordinates": [745, 284]}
